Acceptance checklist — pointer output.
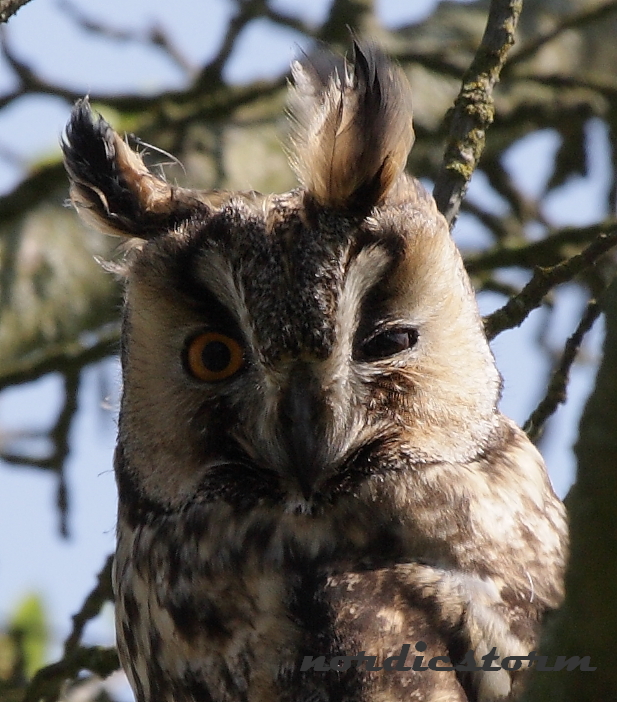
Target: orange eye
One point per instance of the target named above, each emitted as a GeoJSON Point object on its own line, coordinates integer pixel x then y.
{"type": "Point", "coordinates": [212, 356]}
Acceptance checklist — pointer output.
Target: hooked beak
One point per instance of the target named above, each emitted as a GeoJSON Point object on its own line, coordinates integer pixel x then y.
{"type": "Point", "coordinates": [303, 417]}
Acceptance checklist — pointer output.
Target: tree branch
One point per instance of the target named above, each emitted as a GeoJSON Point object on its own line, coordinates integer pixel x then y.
{"type": "Point", "coordinates": [38, 185]}
{"type": "Point", "coordinates": [47, 683]}
{"type": "Point", "coordinates": [61, 357]}
{"type": "Point", "coordinates": [431, 60]}
{"type": "Point", "coordinates": [155, 36]}
{"type": "Point", "coordinates": [474, 108]}
{"type": "Point", "coordinates": [557, 387]}
{"type": "Point", "coordinates": [575, 20]}
{"type": "Point", "coordinates": [91, 608]}
{"type": "Point", "coordinates": [9, 7]}
{"type": "Point", "coordinates": [59, 436]}
{"type": "Point", "coordinates": [545, 252]}
{"type": "Point", "coordinates": [586, 624]}
{"type": "Point", "coordinates": [516, 310]}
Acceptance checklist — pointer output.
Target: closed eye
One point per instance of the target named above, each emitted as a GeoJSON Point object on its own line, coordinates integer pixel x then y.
{"type": "Point", "coordinates": [387, 343]}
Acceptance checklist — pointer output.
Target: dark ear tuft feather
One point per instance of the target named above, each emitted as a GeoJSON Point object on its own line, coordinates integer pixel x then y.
{"type": "Point", "coordinates": [352, 127]}
{"type": "Point", "coordinates": [111, 186]}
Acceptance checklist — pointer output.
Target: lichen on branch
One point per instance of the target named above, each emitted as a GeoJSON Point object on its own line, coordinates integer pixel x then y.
{"type": "Point", "coordinates": [473, 109]}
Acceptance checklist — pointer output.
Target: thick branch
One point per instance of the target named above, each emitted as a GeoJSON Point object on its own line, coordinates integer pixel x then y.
{"type": "Point", "coordinates": [246, 11]}
{"type": "Point", "coordinates": [9, 7]}
{"type": "Point", "coordinates": [357, 15]}
{"type": "Point", "coordinates": [47, 683]}
{"type": "Point", "coordinates": [38, 185]}
{"type": "Point", "coordinates": [474, 108]}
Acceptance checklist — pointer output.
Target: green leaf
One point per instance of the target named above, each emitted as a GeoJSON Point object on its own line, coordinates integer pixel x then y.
{"type": "Point", "coordinates": [30, 631]}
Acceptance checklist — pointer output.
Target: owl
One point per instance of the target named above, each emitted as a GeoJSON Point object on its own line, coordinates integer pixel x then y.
{"type": "Point", "coordinates": [314, 478]}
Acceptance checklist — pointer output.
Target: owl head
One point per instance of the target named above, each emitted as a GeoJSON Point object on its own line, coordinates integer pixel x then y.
{"type": "Point", "coordinates": [286, 347]}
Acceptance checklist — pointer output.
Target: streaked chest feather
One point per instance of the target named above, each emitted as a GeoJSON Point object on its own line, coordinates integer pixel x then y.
{"type": "Point", "coordinates": [240, 629]}
{"type": "Point", "coordinates": [232, 600]}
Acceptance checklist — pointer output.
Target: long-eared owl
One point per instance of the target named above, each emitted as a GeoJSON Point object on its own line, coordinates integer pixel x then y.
{"type": "Point", "coordinates": [310, 460]}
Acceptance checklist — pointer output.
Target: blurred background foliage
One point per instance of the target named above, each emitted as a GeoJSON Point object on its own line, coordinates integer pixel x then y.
{"type": "Point", "coordinates": [59, 308]}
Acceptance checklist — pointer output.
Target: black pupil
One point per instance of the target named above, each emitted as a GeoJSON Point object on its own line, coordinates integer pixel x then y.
{"type": "Point", "coordinates": [216, 356]}
{"type": "Point", "coordinates": [389, 343]}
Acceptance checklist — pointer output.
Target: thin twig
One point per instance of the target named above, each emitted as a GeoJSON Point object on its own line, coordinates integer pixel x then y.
{"type": "Point", "coordinates": [516, 310]}
{"type": "Point", "coordinates": [205, 98]}
{"type": "Point", "coordinates": [60, 436]}
{"type": "Point", "coordinates": [545, 252]}
{"type": "Point", "coordinates": [156, 36]}
{"type": "Point", "coordinates": [474, 108]}
{"type": "Point", "coordinates": [61, 357]}
{"type": "Point", "coordinates": [286, 20]}
{"type": "Point", "coordinates": [432, 60]}
{"type": "Point", "coordinates": [557, 387]}
{"type": "Point", "coordinates": [604, 84]}
{"type": "Point", "coordinates": [98, 596]}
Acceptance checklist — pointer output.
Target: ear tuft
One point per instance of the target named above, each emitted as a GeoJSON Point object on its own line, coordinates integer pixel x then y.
{"type": "Point", "coordinates": [352, 129]}
{"type": "Point", "coordinates": [112, 188]}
